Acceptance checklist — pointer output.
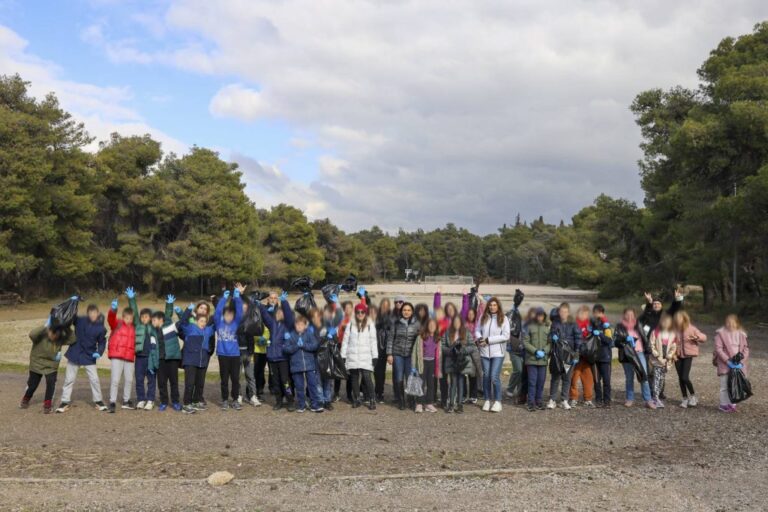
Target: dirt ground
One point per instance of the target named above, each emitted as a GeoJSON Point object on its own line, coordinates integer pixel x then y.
{"type": "Point", "coordinates": [585, 459]}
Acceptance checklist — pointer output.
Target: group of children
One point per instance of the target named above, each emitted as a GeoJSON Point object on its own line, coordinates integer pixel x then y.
{"type": "Point", "coordinates": [457, 352]}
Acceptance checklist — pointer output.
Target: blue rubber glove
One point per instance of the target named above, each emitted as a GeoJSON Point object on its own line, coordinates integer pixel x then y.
{"type": "Point", "coordinates": [735, 366]}
{"type": "Point", "coordinates": [332, 332]}
{"type": "Point", "coordinates": [57, 357]}
{"type": "Point", "coordinates": [114, 305]}
{"type": "Point", "coordinates": [262, 341]}
{"type": "Point", "coordinates": [177, 309]}
{"type": "Point", "coordinates": [631, 340]}
{"type": "Point", "coordinates": [74, 297]}
{"type": "Point", "coordinates": [237, 293]}
{"type": "Point", "coordinates": [284, 297]}
{"type": "Point", "coordinates": [597, 332]}
{"type": "Point", "coordinates": [574, 362]}
{"type": "Point", "coordinates": [170, 299]}
{"type": "Point", "coordinates": [361, 291]}
{"type": "Point", "coordinates": [95, 355]}
{"type": "Point", "coordinates": [48, 322]}
{"type": "Point", "coordinates": [414, 371]}
{"type": "Point", "coordinates": [271, 309]}
{"type": "Point", "coordinates": [555, 338]}
{"type": "Point", "coordinates": [740, 366]}
{"type": "Point", "coordinates": [191, 306]}
{"type": "Point", "coordinates": [606, 325]}
{"type": "Point", "coordinates": [226, 294]}
{"type": "Point", "coordinates": [300, 343]}
{"type": "Point", "coordinates": [130, 292]}
{"type": "Point", "coordinates": [334, 298]}
{"type": "Point", "coordinates": [287, 336]}
{"type": "Point", "coordinates": [539, 354]}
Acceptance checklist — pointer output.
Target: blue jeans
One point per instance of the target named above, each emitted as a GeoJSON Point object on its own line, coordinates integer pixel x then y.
{"type": "Point", "coordinates": [325, 389]}
{"type": "Point", "coordinates": [629, 374]}
{"type": "Point", "coordinates": [492, 377]}
{"type": "Point", "coordinates": [536, 377]}
{"type": "Point", "coordinates": [400, 368]}
{"type": "Point", "coordinates": [142, 374]}
{"type": "Point", "coordinates": [303, 380]}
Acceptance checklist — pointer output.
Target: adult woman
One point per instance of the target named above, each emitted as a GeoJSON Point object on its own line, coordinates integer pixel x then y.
{"type": "Point", "coordinates": [689, 339]}
{"type": "Point", "coordinates": [492, 334]}
{"type": "Point", "coordinates": [383, 327]}
{"type": "Point", "coordinates": [629, 332]}
{"type": "Point", "coordinates": [400, 342]}
{"type": "Point", "coordinates": [360, 348]}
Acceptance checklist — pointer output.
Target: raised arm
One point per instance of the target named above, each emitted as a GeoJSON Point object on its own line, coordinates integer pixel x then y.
{"type": "Point", "coordinates": [437, 301]}
{"type": "Point", "coordinates": [266, 315]}
{"type": "Point", "coordinates": [464, 306]}
{"type": "Point", "coordinates": [290, 318]}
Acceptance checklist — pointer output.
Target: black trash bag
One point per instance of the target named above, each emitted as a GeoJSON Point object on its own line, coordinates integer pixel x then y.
{"type": "Point", "coordinates": [63, 315]}
{"type": "Point", "coordinates": [473, 301]}
{"type": "Point", "coordinates": [325, 360]}
{"type": "Point", "coordinates": [303, 284]}
{"type": "Point", "coordinates": [305, 303]}
{"type": "Point", "coordinates": [258, 296]}
{"type": "Point", "coordinates": [518, 299]}
{"type": "Point", "coordinates": [338, 368]}
{"type": "Point", "coordinates": [628, 354]}
{"type": "Point", "coordinates": [331, 289]}
{"type": "Point", "coordinates": [253, 324]}
{"type": "Point", "coordinates": [350, 284]}
{"type": "Point", "coordinates": [739, 387]}
{"type": "Point", "coordinates": [590, 349]}
{"type": "Point", "coordinates": [515, 323]}
{"type": "Point", "coordinates": [561, 356]}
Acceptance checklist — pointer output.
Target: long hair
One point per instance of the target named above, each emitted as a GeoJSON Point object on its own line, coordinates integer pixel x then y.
{"type": "Point", "coordinates": [682, 320]}
{"type": "Point", "coordinates": [361, 325]}
{"type": "Point", "coordinates": [462, 332]}
{"type": "Point", "coordinates": [454, 310]}
{"type": "Point", "coordinates": [424, 333]}
{"type": "Point", "coordinates": [421, 312]}
{"type": "Point", "coordinates": [487, 312]}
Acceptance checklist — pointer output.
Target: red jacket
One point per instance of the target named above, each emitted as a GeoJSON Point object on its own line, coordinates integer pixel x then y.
{"type": "Point", "coordinates": [122, 339]}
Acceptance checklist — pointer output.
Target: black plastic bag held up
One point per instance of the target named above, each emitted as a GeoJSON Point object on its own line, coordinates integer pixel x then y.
{"type": "Point", "coordinates": [739, 387]}
{"type": "Point", "coordinates": [590, 348]}
{"type": "Point", "coordinates": [330, 290]}
{"type": "Point", "coordinates": [350, 284]}
{"type": "Point", "coordinates": [63, 315]}
{"type": "Point", "coordinates": [252, 324]}
{"type": "Point", "coordinates": [307, 301]}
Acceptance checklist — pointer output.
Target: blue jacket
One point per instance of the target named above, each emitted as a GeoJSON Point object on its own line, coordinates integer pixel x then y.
{"type": "Point", "coordinates": [567, 332]}
{"type": "Point", "coordinates": [197, 342]}
{"type": "Point", "coordinates": [605, 352]}
{"type": "Point", "coordinates": [90, 337]}
{"type": "Point", "coordinates": [277, 330]}
{"type": "Point", "coordinates": [226, 333]}
{"type": "Point", "coordinates": [302, 357]}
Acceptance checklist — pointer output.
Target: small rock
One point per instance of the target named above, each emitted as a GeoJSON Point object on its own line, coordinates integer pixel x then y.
{"type": "Point", "coordinates": [220, 478]}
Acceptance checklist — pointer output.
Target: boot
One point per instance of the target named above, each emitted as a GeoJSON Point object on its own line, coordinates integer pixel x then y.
{"type": "Point", "coordinates": [278, 404]}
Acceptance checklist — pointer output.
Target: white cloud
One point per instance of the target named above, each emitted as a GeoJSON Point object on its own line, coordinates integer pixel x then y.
{"type": "Point", "coordinates": [459, 111]}
{"type": "Point", "coordinates": [104, 110]}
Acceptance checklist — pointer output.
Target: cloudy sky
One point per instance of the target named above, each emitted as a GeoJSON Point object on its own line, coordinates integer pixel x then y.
{"type": "Point", "coordinates": [400, 113]}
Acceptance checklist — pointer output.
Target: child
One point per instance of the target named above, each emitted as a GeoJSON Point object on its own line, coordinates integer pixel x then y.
{"type": "Point", "coordinates": [663, 355]}
{"type": "Point", "coordinates": [688, 340]}
{"type": "Point", "coordinates": [44, 361]}
{"type": "Point", "coordinates": [227, 318]}
{"type": "Point", "coordinates": [537, 348]}
{"type": "Point", "coordinates": [563, 331]}
{"type": "Point", "coordinates": [167, 357]}
{"type": "Point", "coordinates": [325, 326]}
{"type": "Point", "coordinates": [121, 349]}
{"type": "Point", "coordinates": [730, 341]}
{"type": "Point", "coordinates": [247, 344]}
{"type": "Point", "coordinates": [90, 343]}
{"type": "Point", "coordinates": [301, 345]}
{"type": "Point", "coordinates": [582, 372]}
{"type": "Point", "coordinates": [425, 359]}
{"type": "Point", "coordinates": [602, 329]}
{"type": "Point", "coordinates": [630, 336]}
{"type": "Point", "coordinates": [145, 397]}
{"type": "Point", "coordinates": [260, 362]}
{"type": "Point", "coordinates": [359, 349]}
{"type": "Point", "coordinates": [276, 318]}
{"type": "Point", "coordinates": [457, 345]}
{"type": "Point", "coordinates": [198, 338]}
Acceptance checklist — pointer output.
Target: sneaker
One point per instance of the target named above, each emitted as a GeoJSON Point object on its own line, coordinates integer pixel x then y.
{"type": "Point", "coordinates": [112, 408]}
{"type": "Point", "coordinates": [372, 405]}
{"type": "Point", "coordinates": [236, 405]}
{"type": "Point", "coordinates": [496, 407]}
{"type": "Point", "coordinates": [380, 399]}
{"type": "Point", "coordinates": [473, 401]}
{"type": "Point", "coordinates": [301, 410]}
{"type": "Point", "coordinates": [240, 399]}
{"type": "Point", "coordinates": [629, 403]}
{"type": "Point", "coordinates": [449, 409]}
{"type": "Point", "coordinates": [100, 406]}
{"type": "Point", "coordinates": [47, 407]}
{"type": "Point", "coordinates": [540, 406]}
{"type": "Point", "coordinates": [290, 406]}
{"type": "Point", "coordinates": [336, 398]}
{"type": "Point", "coordinates": [200, 406]}
{"type": "Point", "coordinates": [141, 405]}
{"type": "Point", "coordinates": [162, 407]}
{"type": "Point", "coordinates": [188, 409]}
{"type": "Point", "coordinates": [459, 409]}
{"type": "Point", "coordinates": [24, 404]}
{"type": "Point", "coordinates": [726, 408]}
{"type": "Point", "coordinates": [149, 406]}
{"type": "Point", "coordinates": [659, 403]}
{"type": "Point", "coordinates": [733, 407]}
{"type": "Point", "coordinates": [693, 401]}
{"type": "Point", "coordinates": [684, 403]}
{"type": "Point", "coordinates": [551, 404]}
{"type": "Point", "coordinates": [317, 410]}
{"type": "Point", "coordinates": [606, 405]}
{"type": "Point", "coordinates": [224, 405]}
{"type": "Point", "coordinates": [589, 403]}
{"type": "Point", "coordinates": [278, 405]}
{"type": "Point", "coordinates": [128, 405]}
{"type": "Point", "coordinates": [565, 405]}
{"type": "Point", "coordinates": [574, 403]}
{"type": "Point", "coordinates": [599, 404]}
{"type": "Point", "coordinates": [430, 408]}
{"type": "Point", "coordinates": [63, 407]}
{"type": "Point", "coordinates": [531, 407]}
{"type": "Point", "coordinates": [255, 401]}
{"type": "Point", "coordinates": [487, 406]}
{"type": "Point", "coordinates": [176, 406]}
{"type": "Point", "coordinates": [650, 404]}
{"type": "Point", "coordinates": [419, 409]}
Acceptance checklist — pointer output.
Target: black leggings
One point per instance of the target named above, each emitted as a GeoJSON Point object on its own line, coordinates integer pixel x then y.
{"type": "Point", "coordinates": [355, 377]}
{"type": "Point", "coordinates": [168, 373]}
{"type": "Point", "coordinates": [280, 379]}
{"type": "Point", "coordinates": [683, 367]}
{"type": "Point", "coordinates": [229, 371]}
{"type": "Point", "coordinates": [34, 380]}
{"type": "Point", "coordinates": [194, 378]}
{"type": "Point", "coordinates": [380, 373]}
{"type": "Point", "coordinates": [429, 382]}
{"type": "Point", "coordinates": [259, 363]}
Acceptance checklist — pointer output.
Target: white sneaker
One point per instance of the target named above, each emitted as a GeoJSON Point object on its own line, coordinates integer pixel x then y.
{"type": "Point", "coordinates": [487, 406]}
{"type": "Point", "coordinates": [496, 407]}
{"type": "Point", "coordinates": [565, 406]}
{"type": "Point", "coordinates": [551, 404]}
{"type": "Point", "coordinates": [150, 405]}
{"type": "Point", "coordinates": [255, 401]}
{"type": "Point", "coordinates": [589, 403]}
{"type": "Point", "coordinates": [240, 399]}
{"type": "Point", "coordinates": [684, 403]}
{"type": "Point", "coordinates": [141, 404]}
{"type": "Point", "coordinates": [574, 403]}
{"type": "Point", "coordinates": [693, 401]}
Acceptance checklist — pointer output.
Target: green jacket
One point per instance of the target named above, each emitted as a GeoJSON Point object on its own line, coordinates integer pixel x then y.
{"type": "Point", "coordinates": [458, 360]}
{"type": "Point", "coordinates": [170, 337]}
{"type": "Point", "coordinates": [537, 338]}
{"type": "Point", "coordinates": [42, 357]}
{"type": "Point", "coordinates": [143, 332]}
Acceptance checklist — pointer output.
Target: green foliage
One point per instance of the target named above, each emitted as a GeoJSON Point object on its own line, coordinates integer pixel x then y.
{"type": "Point", "coordinates": [294, 243]}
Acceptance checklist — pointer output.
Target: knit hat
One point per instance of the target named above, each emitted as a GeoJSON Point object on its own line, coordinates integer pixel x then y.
{"type": "Point", "coordinates": [361, 307]}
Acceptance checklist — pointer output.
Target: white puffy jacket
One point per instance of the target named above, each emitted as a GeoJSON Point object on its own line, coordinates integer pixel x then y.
{"type": "Point", "coordinates": [360, 348]}
{"type": "Point", "coordinates": [497, 336]}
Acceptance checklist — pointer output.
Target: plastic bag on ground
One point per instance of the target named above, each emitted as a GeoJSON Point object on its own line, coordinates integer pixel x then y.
{"type": "Point", "coordinates": [414, 386]}
{"type": "Point", "coordinates": [63, 315]}
{"type": "Point", "coordinates": [739, 387]}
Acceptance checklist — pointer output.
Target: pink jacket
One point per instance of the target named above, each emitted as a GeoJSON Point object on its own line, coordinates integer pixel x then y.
{"type": "Point", "coordinates": [728, 344]}
{"type": "Point", "coordinates": [687, 348]}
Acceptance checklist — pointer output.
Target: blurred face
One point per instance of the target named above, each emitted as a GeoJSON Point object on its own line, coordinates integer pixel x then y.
{"type": "Point", "coordinates": [629, 318]}
{"type": "Point", "coordinates": [53, 335]}
{"type": "Point", "coordinates": [541, 317]}
{"type": "Point", "coordinates": [145, 318]}
{"type": "Point", "coordinates": [385, 307]}
{"type": "Point", "coordinates": [432, 326]}
{"type": "Point", "coordinates": [450, 310]}
{"type": "Point", "coordinates": [93, 315]}
{"type": "Point", "coordinates": [201, 322]}
{"type": "Point", "coordinates": [348, 309]}
{"type": "Point", "coordinates": [128, 318]}
{"type": "Point", "coordinates": [157, 322]}
{"type": "Point", "coordinates": [279, 316]}
{"type": "Point", "coordinates": [229, 316]}
{"type": "Point", "coordinates": [301, 325]}
{"type": "Point", "coordinates": [373, 314]}
{"type": "Point", "coordinates": [407, 312]}
{"type": "Point", "coordinates": [666, 323]}
{"type": "Point", "coordinates": [360, 315]}
{"type": "Point", "coordinates": [493, 307]}
{"type": "Point", "coordinates": [657, 305]}
{"type": "Point", "coordinates": [439, 314]}
{"type": "Point", "coordinates": [471, 315]}
{"type": "Point", "coordinates": [583, 314]}
{"type": "Point", "coordinates": [456, 323]}
{"type": "Point", "coordinates": [202, 309]}
{"type": "Point", "coordinates": [398, 305]}
{"type": "Point", "coordinates": [564, 313]}
{"type": "Point", "coordinates": [317, 319]}
{"type": "Point", "coordinates": [730, 323]}
{"type": "Point", "coordinates": [272, 300]}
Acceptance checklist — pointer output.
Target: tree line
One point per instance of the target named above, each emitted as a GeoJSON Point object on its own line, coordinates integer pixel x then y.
{"type": "Point", "coordinates": [70, 218]}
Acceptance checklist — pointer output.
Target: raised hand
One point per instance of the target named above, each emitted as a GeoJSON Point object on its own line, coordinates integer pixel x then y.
{"type": "Point", "coordinates": [130, 292]}
{"type": "Point", "coordinates": [170, 298]}
{"type": "Point", "coordinates": [114, 305]}
{"type": "Point", "coordinates": [226, 294]}
{"type": "Point", "coordinates": [284, 296]}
